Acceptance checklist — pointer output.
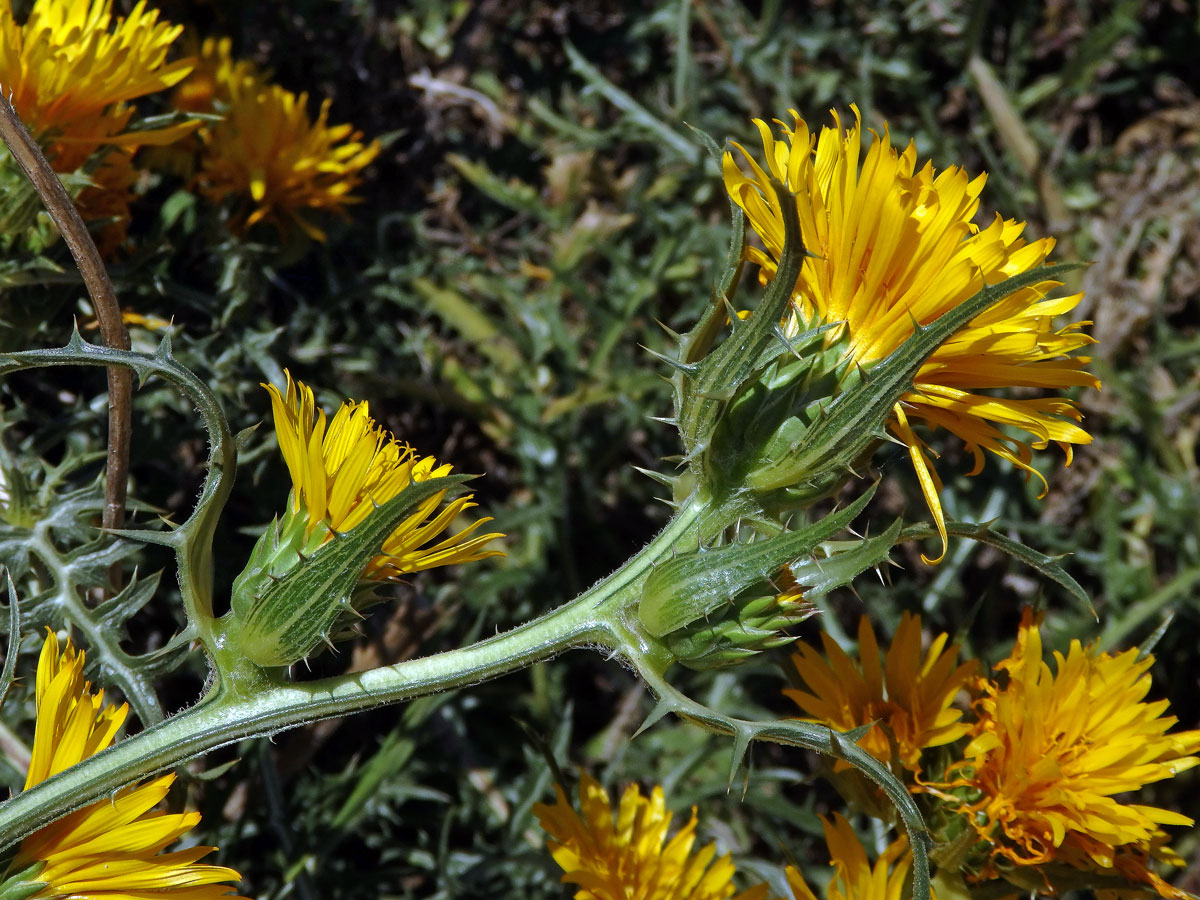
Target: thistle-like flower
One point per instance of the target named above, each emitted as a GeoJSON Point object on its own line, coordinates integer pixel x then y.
{"type": "Point", "coordinates": [348, 474]}
{"type": "Point", "coordinates": [854, 877]}
{"type": "Point", "coordinates": [267, 154]}
{"type": "Point", "coordinates": [343, 471]}
{"type": "Point", "coordinates": [110, 849]}
{"type": "Point", "coordinates": [892, 247]}
{"type": "Point", "coordinates": [71, 73]}
{"type": "Point", "coordinates": [1051, 750]}
{"type": "Point", "coordinates": [907, 694]}
{"type": "Point", "coordinates": [624, 853]}
{"type": "Point", "coordinates": [215, 71]}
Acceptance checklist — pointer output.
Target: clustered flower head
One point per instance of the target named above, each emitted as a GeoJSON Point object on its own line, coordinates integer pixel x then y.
{"type": "Point", "coordinates": [72, 74]}
{"type": "Point", "coordinates": [906, 696]}
{"type": "Point", "coordinates": [343, 468]}
{"type": "Point", "coordinates": [624, 853]}
{"type": "Point", "coordinates": [1051, 752]}
{"type": "Point", "coordinates": [892, 246]}
{"type": "Point", "coordinates": [267, 155]}
{"type": "Point", "coordinates": [110, 849]}
{"type": "Point", "coordinates": [215, 71]}
{"type": "Point", "coordinates": [1038, 768]}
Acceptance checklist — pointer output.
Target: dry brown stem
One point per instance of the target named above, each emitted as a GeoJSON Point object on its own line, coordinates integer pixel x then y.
{"type": "Point", "coordinates": [104, 298]}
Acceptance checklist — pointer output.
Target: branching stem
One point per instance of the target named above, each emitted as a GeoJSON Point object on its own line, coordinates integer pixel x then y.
{"type": "Point", "coordinates": [232, 712]}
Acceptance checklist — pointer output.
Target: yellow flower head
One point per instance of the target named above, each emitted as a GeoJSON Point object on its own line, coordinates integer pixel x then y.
{"type": "Point", "coordinates": [854, 877]}
{"type": "Point", "coordinates": [343, 469]}
{"type": "Point", "coordinates": [1051, 749]}
{"type": "Point", "coordinates": [909, 694]}
{"type": "Point", "coordinates": [214, 72]}
{"type": "Point", "coordinates": [273, 158]}
{"type": "Point", "coordinates": [893, 246]}
{"type": "Point", "coordinates": [109, 850]}
{"type": "Point", "coordinates": [71, 79]}
{"type": "Point", "coordinates": [623, 856]}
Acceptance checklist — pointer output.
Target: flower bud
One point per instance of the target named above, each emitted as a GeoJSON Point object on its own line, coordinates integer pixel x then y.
{"type": "Point", "coordinates": [691, 587]}
{"type": "Point", "coordinates": [709, 608]}
{"type": "Point", "coordinates": [759, 624]}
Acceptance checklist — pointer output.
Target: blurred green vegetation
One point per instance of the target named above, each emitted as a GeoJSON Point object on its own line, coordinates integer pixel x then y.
{"type": "Point", "coordinates": [540, 206]}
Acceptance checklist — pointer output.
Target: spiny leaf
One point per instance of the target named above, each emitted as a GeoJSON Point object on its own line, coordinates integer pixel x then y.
{"type": "Point", "coordinates": [14, 639]}
{"type": "Point", "coordinates": [819, 576]}
{"type": "Point", "coordinates": [662, 709]}
{"type": "Point", "coordinates": [194, 551]}
{"type": "Point", "coordinates": [1047, 566]}
{"type": "Point", "coordinates": [706, 140]}
{"type": "Point", "coordinates": [741, 746]}
{"type": "Point", "coordinates": [682, 590]}
{"type": "Point", "coordinates": [135, 595]}
{"type": "Point", "coordinates": [170, 538]}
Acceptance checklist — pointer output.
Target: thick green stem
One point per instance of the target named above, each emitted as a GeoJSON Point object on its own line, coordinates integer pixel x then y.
{"type": "Point", "coordinates": [227, 715]}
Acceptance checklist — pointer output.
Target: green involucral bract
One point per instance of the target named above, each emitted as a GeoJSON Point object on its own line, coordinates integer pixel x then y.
{"type": "Point", "coordinates": [710, 385]}
{"type": "Point", "coordinates": [691, 587]}
{"type": "Point", "coordinates": [24, 884]}
{"type": "Point", "coordinates": [803, 454]}
{"type": "Point", "coordinates": [756, 624]}
{"type": "Point", "coordinates": [295, 588]}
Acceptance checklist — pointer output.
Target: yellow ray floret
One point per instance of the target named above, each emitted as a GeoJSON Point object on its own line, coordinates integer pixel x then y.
{"type": "Point", "coordinates": [892, 246]}
{"type": "Point", "coordinates": [111, 849]}
{"type": "Point", "coordinates": [624, 853]}
{"type": "Point", "coordinates": [70, 76]}
{"type": "Point", "coordinates": [272, 158]}
{"type": "Point", "coordinates": [342, 469]}
{"type": "Point", "coordinates": [854, 877]}
{"type": "Point", "coordinates": [1052, 749]}
{"type": "Point", "coordinates": [215, 71]}
{"type": "Point", "coordinates": [71, 73]}
{"type": "Point", "coordinates": [908, 693]}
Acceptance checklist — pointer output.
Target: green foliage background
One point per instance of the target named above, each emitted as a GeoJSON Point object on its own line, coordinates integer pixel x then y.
{"type": "Point", "coordinates": [539, 206]}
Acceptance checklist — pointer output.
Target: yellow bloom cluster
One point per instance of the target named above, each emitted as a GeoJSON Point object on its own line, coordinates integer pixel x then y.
{"type": "Point", "coordinates": [111, 849]}
{"type": "Point", "coordinates": [72, 72]}
{"type": "Point", "coordinates": [342, 469]}
{"type": "Point", "coordinates": [1047, 752]}
{"type": "Point", "coordinates": [267, 154]}
{"type": "Point", "coordinates": [1050, 749]}
{"type": "Point", "coordinates": [892, 246]}
{"type": "Point", "coordinates": [626, 855]}
{"type": "Point", "coordinates": [906, 695]}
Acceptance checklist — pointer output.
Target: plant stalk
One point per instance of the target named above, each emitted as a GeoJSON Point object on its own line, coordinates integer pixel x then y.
{"type": "Point", "coordinates": [226, 716]}
{"type": "Point", "coordinates": [70, 224]}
